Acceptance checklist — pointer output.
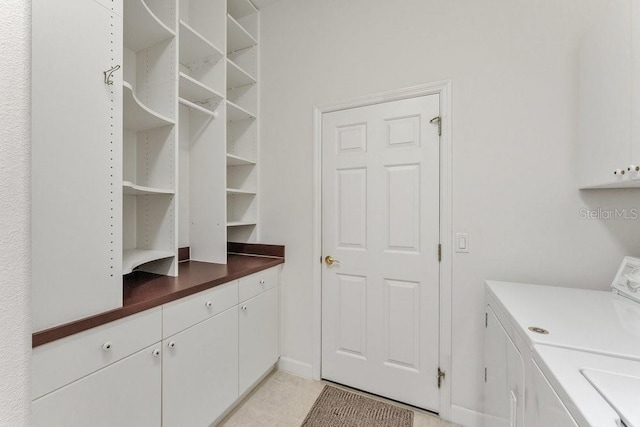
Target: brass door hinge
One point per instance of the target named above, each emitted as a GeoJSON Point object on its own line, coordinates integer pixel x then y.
{"type": "Point", "coordinates": [439, 252]}
{"type": "Point", "coordinates": [441, 375]}
{"type": "Point", "coordinates": [438, 121]}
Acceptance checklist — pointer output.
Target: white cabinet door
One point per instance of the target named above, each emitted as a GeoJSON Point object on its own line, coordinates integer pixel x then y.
{"type": "Point", "coordinates": [126, 393]}
{"type": "Point", "coordinates": [259, 337]}
{"type": "Point", "coordinates": [504, 376]}
{"type": "Point", "coordinates": [76, 161]}
{"type": "Point", "coordinates": [200, 371]}
{"type": "Point", "coordinates": [609, 134]}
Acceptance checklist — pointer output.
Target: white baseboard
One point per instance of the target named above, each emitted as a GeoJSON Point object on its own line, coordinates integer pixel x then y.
{"type": "Point", "coordinates": [295, 367]}
{"type": "Point", "coordinates": [469, 418]}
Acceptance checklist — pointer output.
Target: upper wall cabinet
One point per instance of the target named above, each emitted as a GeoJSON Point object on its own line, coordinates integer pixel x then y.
{"type": "Point", "coordinates": [609, 138]}
{"type": "Point", "coordinates": [76, 160]}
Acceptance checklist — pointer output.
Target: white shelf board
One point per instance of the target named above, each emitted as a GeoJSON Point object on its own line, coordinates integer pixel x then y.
{"type": "Point", "coordinates": [131, 258]}
{"type": "Point", "coordinates": [138, 116]}
{"type": "Point", "coordinates": [240, 223]}
{"type": "Point", "coordinates": [235, 191]}
{"type": "Point", "coordinates": [625, 183]}
{"type": "Point", "coordinates": [237, 37]}
{"type": "Point", "coordinates": [142, 28]}
{"type": "Point", "coordinates": [233, 160]}
{"type": "Point", "coordinates": [194, 48]}
{"type": "Point", "coordinates": [199, 108]}
{"type": "Point", "coordinates": [236, 113]}
{"type": "Point", "coordinates": [132, 189]}
{"type": "Point", "coordinates": [196, 92]}
{"type": "Point", "coordinates": [241, 8]}
{"type": "Point", "coordinates": [237, 77]}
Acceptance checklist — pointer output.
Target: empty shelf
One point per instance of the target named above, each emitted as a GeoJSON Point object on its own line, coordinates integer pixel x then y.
{"type": "Point", "coordinates": [131, 258]}
{"type": "Point", "coordinates": [627, 183]}
{"type": "Point", "coordinates": [199, 108]}
{"type": "Point", "coordinates": [138, 116]}
{"type": "Point", "coordinates": [238, 191]}
{"type": "Point", "coordinates": [237, 77]}
{"type": "Point", "coordinates": [237, 37]}
{"type": "Point", "coordinates": [241, 8]}
{"type": "Point", "coordinates": [233, 160]}
{"type": "Point", "coordinates": [240, 223]}
{"type": "Point", "coordinates": [194, 48]}
{"type": "Point", "coordinates": [130, 188]}
{"type": "Point", "coordinates": [142, 28]}
{"type": "Point", "coordinates": [237, 113]}
{"type": "Point", "coordinates": [194, 91]}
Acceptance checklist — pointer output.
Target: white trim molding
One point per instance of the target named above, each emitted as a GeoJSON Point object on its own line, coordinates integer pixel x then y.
{"type": "Point", "coordinates": [295, 367]}
{"type": "Point", "coordinates": [442, 88]}
{"type": "Point", "coordinates": [468, 418]}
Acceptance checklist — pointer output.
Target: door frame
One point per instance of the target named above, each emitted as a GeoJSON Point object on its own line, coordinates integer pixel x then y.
{"type": "Point", "coordinates": [442, 88]}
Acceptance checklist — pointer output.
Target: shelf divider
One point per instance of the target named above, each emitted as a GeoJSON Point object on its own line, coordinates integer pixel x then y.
{"type": "Point", "coordinates": [142, 28]}
{"type": "Point", "coordinates": [131, 258]}
{"type": "Point", "coordinates": [138, 116]}
{"type": "Point", "coordinates": [233, 160]}
{"type": "Point", "coordinates": [236, 191]}
{"type": "Point", "coordinates": [237, 37]}
{"type": "Point", "coordinates": [237, 77]}
{"type": "Point", "coordinates": [194, 48]}
{"type": "Point", "coordinates": [132, 189]}
{"type": "Point", "coordinates": [237, 113]}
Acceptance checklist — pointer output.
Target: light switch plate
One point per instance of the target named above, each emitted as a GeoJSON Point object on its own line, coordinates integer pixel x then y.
{"type": "Point", "coordinates": [462, 243]}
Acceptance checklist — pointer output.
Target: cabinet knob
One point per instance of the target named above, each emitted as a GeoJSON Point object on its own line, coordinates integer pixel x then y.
{"type": "Point", "coordinates": [171, 344]}
{"type": "Point", "coordinates": [618, 172]}
{"type": "Point", "coordinates": [633, 168]}
{"type": "Point", "coordinates": [244, 307]}
{"type": "Point", "coordinates": [106, 346]}
{"type": "Point", "coordinates": [156, 352]}
{"type": "Point", "coordinates": [262, 282]}
{"type": "Point", "coordinates": [209, 304]}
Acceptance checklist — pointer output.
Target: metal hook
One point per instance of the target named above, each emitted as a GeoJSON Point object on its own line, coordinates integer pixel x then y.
{"type": "Point", "coordinates": [108, 73]}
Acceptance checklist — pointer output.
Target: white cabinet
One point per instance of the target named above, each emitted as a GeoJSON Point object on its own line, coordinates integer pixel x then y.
{"type": "Point", "coordinates": [504, 375]}
{"type": "Point", "coordinates": [259, 337]}
{"type": "Point", "coordinates": [126, 393]}
{"type": "Point", "coordinates": [200, 371]}
{"type": "Point", "coordinates": [76, 161]}
{"type": "Point", "coordinates": [609, 135]}
{"type": "Point", "coordinates": [212, 351]}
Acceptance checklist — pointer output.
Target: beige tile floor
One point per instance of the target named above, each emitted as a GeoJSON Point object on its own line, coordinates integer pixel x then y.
{"type": "Point", "coordinates": [283, 400]}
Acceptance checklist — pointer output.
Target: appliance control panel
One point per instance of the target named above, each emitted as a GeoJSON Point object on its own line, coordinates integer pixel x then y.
{"type": "Point", "coordinates": [627, 280]}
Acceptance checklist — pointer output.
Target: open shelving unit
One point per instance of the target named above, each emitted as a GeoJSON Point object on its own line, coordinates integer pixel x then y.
{"type": "Point", "coordinates": [242, 121]}
{"type": "Point", "coordinates": [167, 93]}
{"type": "Point", "coordinates": [201, 117]}
{"type": "Point", "coordinates": [149, 215]}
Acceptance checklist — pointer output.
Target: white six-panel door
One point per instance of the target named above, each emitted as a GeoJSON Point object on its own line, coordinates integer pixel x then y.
{"type": "Point", "coordinates": [380, 222]}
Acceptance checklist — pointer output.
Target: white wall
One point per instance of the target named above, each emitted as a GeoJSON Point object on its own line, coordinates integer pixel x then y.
{"type": "Point", "coordinates": [513, 64]}
{"type": "Point", "coordinates": [15, 134]}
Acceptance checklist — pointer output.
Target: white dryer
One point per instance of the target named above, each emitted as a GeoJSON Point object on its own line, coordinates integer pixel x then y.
{"type": "Point", "coordinates": [520, 316]}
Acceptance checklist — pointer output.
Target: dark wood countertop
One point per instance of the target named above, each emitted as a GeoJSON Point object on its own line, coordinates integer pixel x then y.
{"type": "Point", "coordinates": [142, 291]}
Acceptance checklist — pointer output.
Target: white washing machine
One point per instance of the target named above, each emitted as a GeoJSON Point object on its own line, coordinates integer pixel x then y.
{"type": "Point", "coordinates": [521, 316]}
{"type": "Point", "coordinates": [594, 390]}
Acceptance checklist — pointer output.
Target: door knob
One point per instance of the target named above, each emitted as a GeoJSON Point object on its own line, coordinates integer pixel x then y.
{"type": "Point", "coordinates": [331, 260]}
